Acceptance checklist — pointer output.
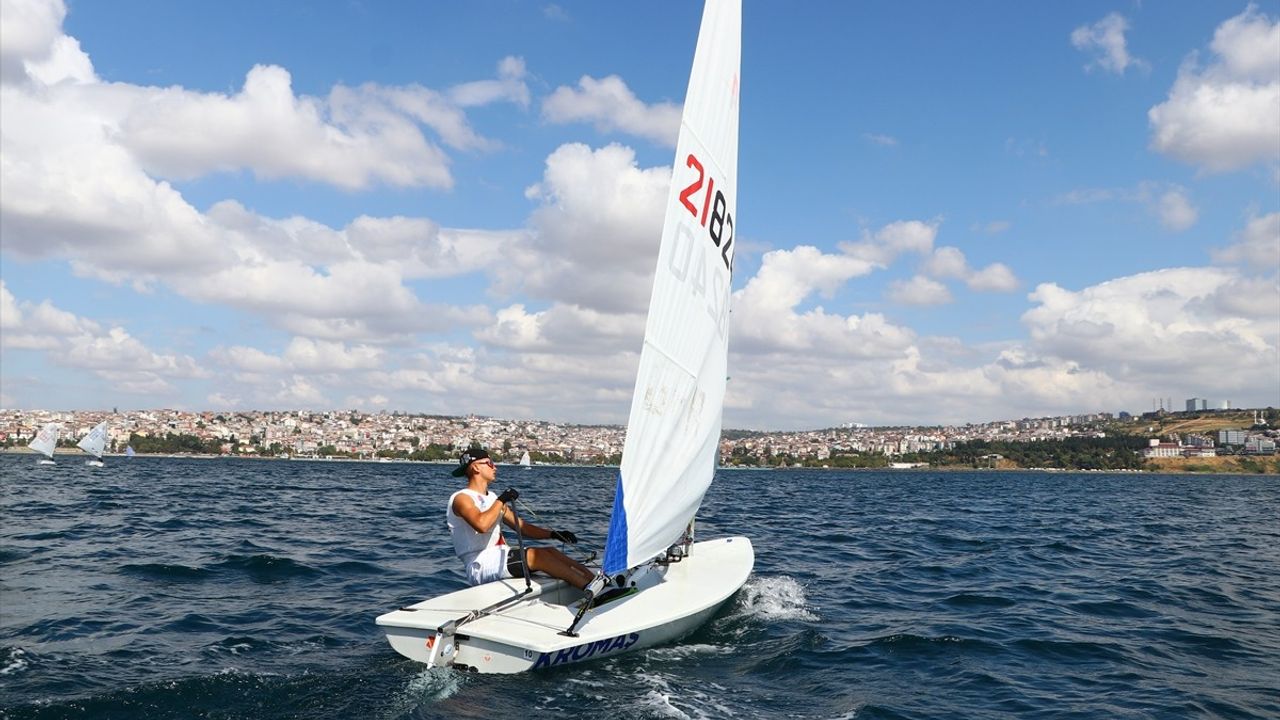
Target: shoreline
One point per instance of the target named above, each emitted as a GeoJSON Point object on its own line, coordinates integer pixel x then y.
{"type": "Point", "coordinates": [1222, 465]}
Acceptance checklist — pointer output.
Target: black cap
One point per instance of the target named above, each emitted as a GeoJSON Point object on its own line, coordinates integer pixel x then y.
{"type": "Point", "coordinates": [469, 456]}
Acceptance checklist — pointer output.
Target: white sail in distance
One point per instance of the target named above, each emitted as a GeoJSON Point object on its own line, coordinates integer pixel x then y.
{"type": "Point", "coordinates": [46, 440]}
{"type": "Point", "coordinates": [95, 443]}
{"type": "Point", "coordinates": [673, 431]}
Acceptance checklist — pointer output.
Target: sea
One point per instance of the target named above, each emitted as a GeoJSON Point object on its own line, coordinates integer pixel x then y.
{"type": "Point", "coordinates": [225, 588]}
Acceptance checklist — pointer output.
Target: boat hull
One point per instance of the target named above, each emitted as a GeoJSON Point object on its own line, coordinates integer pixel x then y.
{"type": "Point", "coordinates": [669, 602]}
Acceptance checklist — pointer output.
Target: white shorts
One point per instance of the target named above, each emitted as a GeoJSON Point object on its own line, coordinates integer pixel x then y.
{"type": "Point", "coordinates": [489, 565]}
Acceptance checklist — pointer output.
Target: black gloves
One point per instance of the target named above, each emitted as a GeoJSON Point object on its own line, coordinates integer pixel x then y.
{"type": "Point", "coordinates": [508, 496]}
{"type": "Point", "coordinates": [564, 536]}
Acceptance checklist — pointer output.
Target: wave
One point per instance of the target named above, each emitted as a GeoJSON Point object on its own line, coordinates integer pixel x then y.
{"type": "Point", "coordinates": [774, 598]}
{"type": "Point", "coordinates": [166, 572]}
{"type": "Point", "coordinates": [13, 661]}
{"type": "Point", "coordinates": [267, 568]}
{"type": "Point", "coordinates": [976, 601]}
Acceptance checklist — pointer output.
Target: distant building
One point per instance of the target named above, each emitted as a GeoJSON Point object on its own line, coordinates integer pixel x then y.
{"type": "Point", "coordinates": [1231, 437]}
{"type": "Point", "coordinates": [1162, 449]}
{"type": "Point", "coordinates": [1195, 404]}
{"type": "Point", "coordinates": [1260, 445]}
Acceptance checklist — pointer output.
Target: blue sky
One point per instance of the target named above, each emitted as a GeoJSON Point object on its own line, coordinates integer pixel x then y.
{"type": "Point", "coordinates": [948, 212]}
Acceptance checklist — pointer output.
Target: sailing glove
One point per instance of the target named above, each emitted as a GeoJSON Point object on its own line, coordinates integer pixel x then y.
{"type": "Point", "coordinates": [508, 496]}
{"type": "Point", "coordinates": [564, 536]}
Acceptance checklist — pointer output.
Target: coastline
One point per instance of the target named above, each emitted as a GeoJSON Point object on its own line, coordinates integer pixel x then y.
{"type": "Point", "coordinates": [1222, 465]}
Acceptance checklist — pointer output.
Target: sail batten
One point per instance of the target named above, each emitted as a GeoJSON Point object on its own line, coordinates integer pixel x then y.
{"type": "Point", "coordinates": [673, 429]}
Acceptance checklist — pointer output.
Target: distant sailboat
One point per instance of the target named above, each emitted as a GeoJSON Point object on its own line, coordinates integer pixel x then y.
{"type": "Point", "coordinates": [46, 440]}
{"type": "Point", "coordinates": [525, 461]}
{"type": "Point", "coordinates": [128, 451]}
{"type": "Point", "coordinates": [94, 443]}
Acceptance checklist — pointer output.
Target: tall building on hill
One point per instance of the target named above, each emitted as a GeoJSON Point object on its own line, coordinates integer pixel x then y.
{"type": "Point", "coordinates": [1195, 404]}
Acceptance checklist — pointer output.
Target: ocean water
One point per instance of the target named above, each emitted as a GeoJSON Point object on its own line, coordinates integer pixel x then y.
{"type": "Point", "coordinates": [177, 588]}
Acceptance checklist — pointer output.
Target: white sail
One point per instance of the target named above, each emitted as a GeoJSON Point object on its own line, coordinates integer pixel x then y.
{"type": "Point", "coordinates": [129, 452]}
{"type": "Point", "coordinates": [525, 461]}
{"type": "Point", "coordinates": [95, 443]}
{"type": "Point", "coordinates": [673, 431]}
{"type": "Point", "coordinates": [46, 440]}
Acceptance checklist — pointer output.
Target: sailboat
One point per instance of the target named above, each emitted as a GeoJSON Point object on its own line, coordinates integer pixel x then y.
{"type": "Point", "coordinates": [655, 584]}
{"type": "Point", "coordinates": [525, 461]}
{"type": "Point", "coordinates": [129, 452]}
{"type": "Point", "coordinates": [95, 443]}
{"type": "Point", "coordinates": [45, 442]}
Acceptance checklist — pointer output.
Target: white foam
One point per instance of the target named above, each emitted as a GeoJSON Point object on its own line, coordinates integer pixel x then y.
{"type": "Point", "coordinates": [428, 686]}
{"type": "Point", "coordinates": [774, 598]}
{"type": "Point", "coordinates": [670, 652]}
{"type": "Point", "coordinates": [17, 662]}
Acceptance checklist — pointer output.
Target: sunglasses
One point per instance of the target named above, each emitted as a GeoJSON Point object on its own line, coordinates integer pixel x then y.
{"type": "Point", "coordinates": [486, 461]}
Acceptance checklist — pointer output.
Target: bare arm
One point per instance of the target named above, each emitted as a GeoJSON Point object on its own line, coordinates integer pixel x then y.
{"type": "Point", "coordinates": [527, 529]}
{"type": "Point", "coordinates": [464, 506]}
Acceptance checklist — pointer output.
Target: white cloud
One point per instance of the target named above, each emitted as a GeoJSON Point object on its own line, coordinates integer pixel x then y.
{"type": "Point", "coordinates": [300, 392]}
{"type": "Point", "coordinates": [947, 262]}
{"type": "Point", "coordinates": [71, 341]}
{"type": "Point", "coordinates": [610, 106]}
{"type": "Point", "coordinates": [596, 230]}
{"type": "Point", "coordinates": [1258, 248]}
{"type": "Point", "coordinates": [10, 314]}
{"type": "Point", "coordinates": [27, 35]}
{"type": "Point", "coordinates": [1105, 41]}
{"type": "Point", "coordinates": [919, 290]}
{"type": "Point", "coordinates": [884, 246]}
{"type": "Point", "coordinates": [509, 87]}
{"type": "Point", "coordinates": [351, 140]}
{"type": "Point", "coordinates": [996, 277]}
{"type": "Point", "coordinates": [1226, 115]}
{"type": "Point", "coordinates": [765, 317]}
{"type": "Point", "coordinates": [1176, 211]}
{"type": "Point", "coordinates": [1158, 329]}
{"type": "Point", "coordinates": [950, 262]}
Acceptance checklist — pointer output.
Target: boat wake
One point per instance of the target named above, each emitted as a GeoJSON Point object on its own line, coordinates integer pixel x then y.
{"type": "Point", "coordinates": [426, 688]}
{"type": "Point", "coordinates": [772, 599]}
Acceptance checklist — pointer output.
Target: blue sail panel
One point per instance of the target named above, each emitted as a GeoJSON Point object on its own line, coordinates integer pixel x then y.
{"type": "Point", "coordinates": [615, 547]}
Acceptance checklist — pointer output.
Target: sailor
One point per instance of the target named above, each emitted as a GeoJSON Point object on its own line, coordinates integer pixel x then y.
{"type": "Point", "coordinates": [473, 516]}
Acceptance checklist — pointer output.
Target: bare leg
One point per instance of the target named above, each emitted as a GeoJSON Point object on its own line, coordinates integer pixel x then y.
{"type": "Point", "coordinates": [558, 565]}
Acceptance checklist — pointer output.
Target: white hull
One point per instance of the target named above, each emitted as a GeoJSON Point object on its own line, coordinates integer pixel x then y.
{"type": "Point", "coordinates": [672, 601]}
{"type": "Point", "coordinates": [46, 461]}
{"type": "Point", "coordinates": [93, 463]}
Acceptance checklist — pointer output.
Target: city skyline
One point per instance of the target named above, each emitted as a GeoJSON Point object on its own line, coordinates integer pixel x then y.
{"type": "Point", "coordinates": [1004, 211]}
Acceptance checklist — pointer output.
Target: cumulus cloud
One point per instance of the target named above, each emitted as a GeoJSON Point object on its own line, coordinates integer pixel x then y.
{"type": "Point", "coordinates": [1225, 115]}
{"type": "Point", "coordinates": [1105, 42]}
{"type": "Point", "coordinates": [354, 138]}
{"type": "Point", "coordinates": [765, 310]}
{"type": "Point", "coordinates": [885, 245]}
{"type": "Point", "coordinates": [609, 105]}
{"type": "Point", "coordinates": [1160, 328]}
{"type": "Point", "coordinates": [27, 35]}
{"type": "Point", "coordinates": [596, 230]}
{"type": "Point", "coordinates": [950, 262]}
{"type": "Point", "coordinates": [69, 340]}
{"type": "Point", "coordinates": [919, 290]}
{"type": "Point", "coordinates": [1258, 247]}
{"type": "Point", "coordinates": [508, 87]}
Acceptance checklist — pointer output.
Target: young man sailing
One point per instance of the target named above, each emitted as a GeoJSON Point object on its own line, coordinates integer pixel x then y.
{"type": "Point", "coordinates": [475, 516]}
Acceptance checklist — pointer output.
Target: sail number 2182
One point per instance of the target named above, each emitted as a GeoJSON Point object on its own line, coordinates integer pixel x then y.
{"type": "Point", "coordinates": [714, 215]}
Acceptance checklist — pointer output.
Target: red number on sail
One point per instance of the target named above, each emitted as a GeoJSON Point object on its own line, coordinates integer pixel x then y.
{"type": "Point", "coordinates": [695, 187]}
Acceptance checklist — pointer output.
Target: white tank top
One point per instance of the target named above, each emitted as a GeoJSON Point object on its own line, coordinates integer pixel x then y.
{"type": "Point", "coordinates": [467, 543]}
